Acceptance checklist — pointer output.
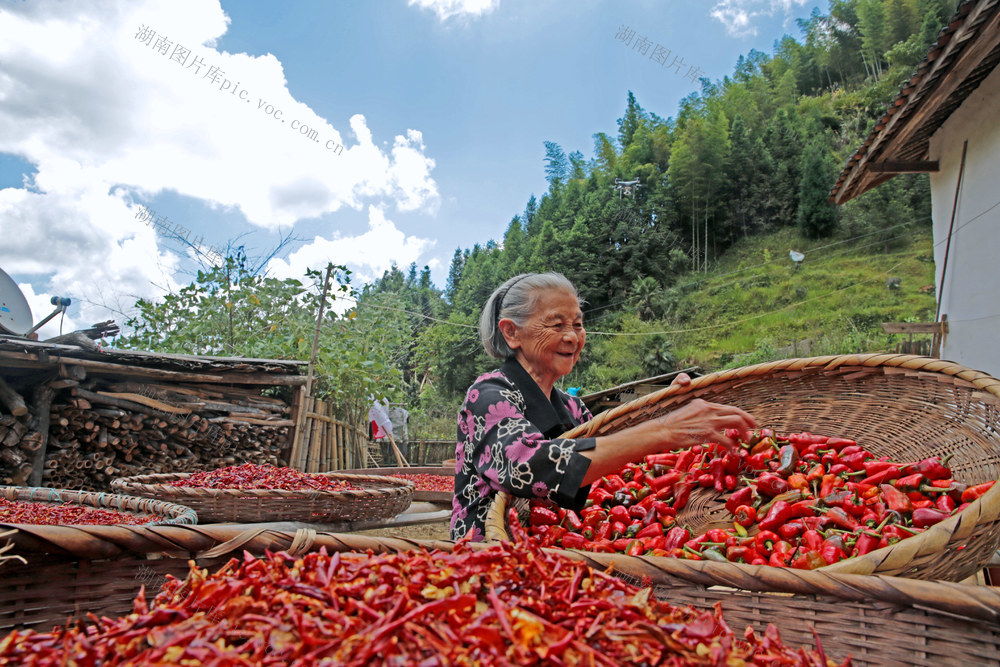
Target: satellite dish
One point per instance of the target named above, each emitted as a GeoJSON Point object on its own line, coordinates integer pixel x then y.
{"type": "Point", "coordinates": [796, 256]}
{"type": "Point", "coordinates": [15, 314]}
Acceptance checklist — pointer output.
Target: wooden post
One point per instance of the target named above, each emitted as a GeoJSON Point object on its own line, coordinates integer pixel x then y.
{"type": "Point", "coordinates": [42, 400]}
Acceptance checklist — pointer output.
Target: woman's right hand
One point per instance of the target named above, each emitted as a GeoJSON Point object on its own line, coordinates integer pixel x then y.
{"type": "Point", "coordinates": [700, 421]}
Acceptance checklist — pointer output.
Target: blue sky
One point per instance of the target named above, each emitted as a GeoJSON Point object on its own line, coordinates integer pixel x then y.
{"type": "Point", "coordinates": [441, 107]}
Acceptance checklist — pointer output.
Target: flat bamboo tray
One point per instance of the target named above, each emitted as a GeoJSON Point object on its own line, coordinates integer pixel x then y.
{"type": "Point", "coordinates": [902, 406]}
{"type": "Point", "coordinates": [167, 513]}
{"type": "Point", "coordinates": [418, 495]}
{"type": "Point", "coordinates": [377, 498]}
{"type": "Point", "coordinates": [879, 620]}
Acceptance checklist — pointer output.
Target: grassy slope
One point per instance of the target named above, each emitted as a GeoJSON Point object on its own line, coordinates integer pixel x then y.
{"type": "Point", "coordinates": [755, 303]}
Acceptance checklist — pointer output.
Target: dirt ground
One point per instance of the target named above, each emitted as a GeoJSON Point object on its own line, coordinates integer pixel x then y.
{"type": "Point", "coordinates": [422, 531]}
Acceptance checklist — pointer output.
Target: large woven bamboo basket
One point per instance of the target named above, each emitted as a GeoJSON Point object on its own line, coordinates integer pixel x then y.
{"type": "Point", "coordinates": [161, 513]}
{"type": "Point", "coordinates": [376, 498]}
{"type": "Point", "coordinates": [902, 406]}
{"type": "Point", "coordinates": [418, 495]}
{"type": "Point", "coordinates": [879, 620]}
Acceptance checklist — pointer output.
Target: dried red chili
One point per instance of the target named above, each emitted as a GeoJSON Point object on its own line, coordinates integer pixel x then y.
{"type": "Point", "coordinates": [65, 514]}
{"type": "Point", "coordinates": [812, 485]}
{"type": "Point", "coordinates": [253, 476]}
{"type": "Point", "coordinates": [505, 604]}
{"type": "Point", "coordinates": [428, 482]}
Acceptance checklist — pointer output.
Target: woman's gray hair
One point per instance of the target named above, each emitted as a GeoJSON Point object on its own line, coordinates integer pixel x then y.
{"type": "Point", "coordinates": [515, 299]}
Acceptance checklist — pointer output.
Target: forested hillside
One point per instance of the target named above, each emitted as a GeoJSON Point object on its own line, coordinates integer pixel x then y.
{"type": "Point", "coordinates": [693, 267]}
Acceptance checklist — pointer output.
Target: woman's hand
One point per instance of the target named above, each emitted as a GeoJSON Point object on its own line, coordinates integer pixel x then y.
{"type": "Point", "coordinates": [700, 421]}
{"type": "Point", "coordinates": [696, 423]}
{"type": "Point", "coordinates": [681, 380]}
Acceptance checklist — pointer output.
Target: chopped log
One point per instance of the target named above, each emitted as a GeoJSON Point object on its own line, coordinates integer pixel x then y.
{"type": "Point", "coordinates": [13, 400]}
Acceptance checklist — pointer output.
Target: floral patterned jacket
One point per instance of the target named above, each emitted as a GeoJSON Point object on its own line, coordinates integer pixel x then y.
{"type": "Point", "coordinates": [507, 441]}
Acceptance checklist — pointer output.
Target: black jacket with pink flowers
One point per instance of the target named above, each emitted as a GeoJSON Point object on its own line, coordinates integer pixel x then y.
{"type": "Point", "coordinates": [507, 441]}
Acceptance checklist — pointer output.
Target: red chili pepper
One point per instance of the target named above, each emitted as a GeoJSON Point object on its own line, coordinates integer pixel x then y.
{"type": "Point", "coordinates": [652, 530]}
{"type": "Point", "coordinates": [743, 496]}
{"type": "Point", "coordinates": [946, 504]}
{"type": "Point", "coordinates": [779, 513]}
{"type": "Point", "coordinates": [839, 443]}
{"type": "Point", "coordinates": [856, 460]}
{"type": "Point", "coordinates": [866, 544]}
{"type": "Point", "coordinates": [842, 519]}
{"type": "Point", "coordinates": [895, 499]}
{"type": "Point", "coordinates": [614, 483]}
{"type": "Point", "coordinates": [542, 516]}
{"type": "Point", "coordinates": [668, 459]}
{"type": "Point", "coordinates": [764, 542]}
{"type": "Point", "coordinates": [676, 537]}
{"type": "Point", "coordinates": [745, 515]}
{"type": "Point", "coordinates": [832, 554]}
{"type": "Point", "coordinates": [975, 492]}
{"type": "Point", "coordinates": [788, 456]}
{"type": "Point", "coordinates": [682, 491]}
{"type": "Point", "coordinates": [741, 554]}
{"type": "Point", "coordinates": [926, 516]}
{"type": "Point", "coordinates": [791, 530]}
{"type": "Point", "coordinates": [684, 460]}
{"type": "Point", "coordinates": [808, 560]}
{"type": "Point", "coordinates": [772, 484]}
{"type": "Point", "coordinates": [574, 541]}
{"type": "Point", "coordinates": [599, 495]}
{"type": "Point", "coordinates": [931, 468]}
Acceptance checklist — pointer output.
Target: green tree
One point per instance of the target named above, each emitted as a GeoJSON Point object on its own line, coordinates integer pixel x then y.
{"type": "Point", "coordinates": [556, 165]}
{"type": "Point", "coordinates": [629, 123]}
{"type": "Point", "coordinates": [817, 217]}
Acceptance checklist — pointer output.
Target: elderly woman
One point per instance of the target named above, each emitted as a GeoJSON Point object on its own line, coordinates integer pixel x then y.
{"type": "Point", "coordinates": [509, 425]}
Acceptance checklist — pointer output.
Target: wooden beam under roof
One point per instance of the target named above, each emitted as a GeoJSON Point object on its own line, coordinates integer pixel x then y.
{"type": "Point", "coordinates": [905, 166]}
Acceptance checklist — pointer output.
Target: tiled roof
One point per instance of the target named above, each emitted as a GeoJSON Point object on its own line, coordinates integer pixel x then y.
{"type": "Point", "coordinates": [965, 52]}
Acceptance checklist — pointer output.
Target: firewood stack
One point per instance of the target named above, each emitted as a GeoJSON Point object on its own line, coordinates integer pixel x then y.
{"type": "Point", "coordinates": [130, 428]}
{"type": "Point", "coordinates": [23, 430]}
{"type": "Point", "coordinates": [101, 429]}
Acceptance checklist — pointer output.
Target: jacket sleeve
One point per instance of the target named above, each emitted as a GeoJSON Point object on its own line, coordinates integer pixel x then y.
{"type": "Point", "coordinates": [511, 454]}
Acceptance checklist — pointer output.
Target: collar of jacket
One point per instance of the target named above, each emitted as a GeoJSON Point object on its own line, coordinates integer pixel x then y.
{"type": "Point", "coordinates": [549, 415]}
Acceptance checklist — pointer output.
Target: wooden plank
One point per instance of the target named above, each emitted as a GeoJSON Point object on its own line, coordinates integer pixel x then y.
{"type": "Point", "coordinates": [147, 401]}
{"type": "Point", "coordinates": [905, 166]}
{"type": "Point", "coordinates": [914, 327]}
{"type": "Point", "coordinates": [105, 368]}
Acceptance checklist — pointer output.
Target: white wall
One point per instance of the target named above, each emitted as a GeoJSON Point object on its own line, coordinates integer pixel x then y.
{"type": "Point", "coordinates": [970, 293]}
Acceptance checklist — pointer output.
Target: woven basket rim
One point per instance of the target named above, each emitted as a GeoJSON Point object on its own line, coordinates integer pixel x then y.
{"type": "Point", "coordinates": [980, 379]}
{"type": "Point", "coordinates": [173, 513]}
{"type": "Point", "coordinates": [985, 509]}
{"type": "Point", "coordinates": [388, 486]}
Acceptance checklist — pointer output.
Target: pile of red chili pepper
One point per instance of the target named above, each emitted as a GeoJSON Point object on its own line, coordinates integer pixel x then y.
{"type": "Point", "coordinates": [65, 514]}
{"type": "Point", "coordinates": [798, 500]}
{"type": "Point", "coordinates": [253, 476]}
{"type": "Point", "coordinates": [505, 604]}
{"type": "Point", "coordinates": [427, 482]}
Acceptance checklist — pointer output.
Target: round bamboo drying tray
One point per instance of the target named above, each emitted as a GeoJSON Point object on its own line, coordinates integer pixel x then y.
{"type": "Point", "coordinates": [167, 513]}
{"type": "Point", "coordinates": [376, 498]}
{"type": "Point", "coordinates": [902, 406]}
{"type": "Point", "coordinates": [418, 495]}
{"type": "Point", "coordinates": [878, 619]}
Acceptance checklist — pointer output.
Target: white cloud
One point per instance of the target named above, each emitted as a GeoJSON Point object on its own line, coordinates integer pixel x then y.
{"type": "Point", "coordinates": [107, 120]}
{"type": "Point", "coordinates": [368, 254]}
{"type": "Point", "coordinates": [448, 8]}
{"type": "Point", "coordinates": [739, 15]}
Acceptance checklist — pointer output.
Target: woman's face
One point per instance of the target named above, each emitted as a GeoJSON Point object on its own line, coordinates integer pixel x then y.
{"type": "Point", "coordinates": [549, 343]}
